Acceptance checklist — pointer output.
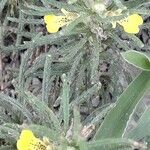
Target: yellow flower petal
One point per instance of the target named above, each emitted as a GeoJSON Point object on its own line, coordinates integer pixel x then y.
{"type": "Point", "coordinates": [136, 19]}
{"type": "Point", "coordinates": [52, 28]}
{"type": "Point", "coordinates": [25, 138]}
{"type": "Point", "coordinates": [131, 23]}
{"type": "Point", "coordinates": [28, 141]}
{"type": "Point", "coordinates": [131, 29]}
{"type": "Point", "coordinates": [55, 22]}
{"type": "Point", "coordinates": [53, 19]}
{"type": "Point", "coordinates": [49, 18]}
{"type": "Point", "coordinates": [27, 134]}
{"type": "Point", "coordinates": [21, 145]}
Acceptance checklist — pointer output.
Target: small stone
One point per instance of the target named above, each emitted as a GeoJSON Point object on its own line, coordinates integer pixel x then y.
{"type": "Point", "coordinates": [36, 81]}
{"type": "Point", "coordinates": [95, 101]}
{"type": "Point", "coordinates": [103, 67]}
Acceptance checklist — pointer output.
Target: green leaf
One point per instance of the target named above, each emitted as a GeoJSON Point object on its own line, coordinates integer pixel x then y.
{"type": "Point", "coordinates": [16, 105]}
{"type": "Point", "coordinates": [137, 59]}
{"type": "Point", "coordinates": [74, 51]}
{"type": "Point", "coordinates": [73, 69]}
{"type": "Point", "coordinates": [142, 130]}
{"type": "Point", "coordinates": [86, 95]}
{"type": "Point", "coordinates": [42, 131]}
{"type": "Point", "coordinates": [76, 124]}
{"type": "Point", "coordinates": [45, 114]}
{"type": "Point", "coordinates": [9, 132]}
{"type": "Point", "coordinates": [135, 3]}
{"type": "Point", "coordinates": [23, 21]}
{"type": "Point", "coordinates": [115, 143]}
{"type": "Point", "coordinates": [46, 85]}
{"type": "Point", "coordinates": [116, 120]}
{"type": "Point", "coordinates": [7, 148]}
{"type": "Point", "coordinates": [94, 63]}
{"type": "Point", "coordinates": [65, 101]}
{"type": "Point", "coordinates": [136, 41]}
{"type": "Point", "coordinates": [96, 117]}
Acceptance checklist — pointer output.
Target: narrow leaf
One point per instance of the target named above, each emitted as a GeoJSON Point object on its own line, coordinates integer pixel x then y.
{"type": "Point", "coordinates": [16, 105]}
{"type": "Point", "coordinates": [77, 123]}
{"type": "Point", "coordinates": [65, 101]}
{"type": "Point", "coordinates": [46, 79]}
{"type": "Point", "coordinates": [42, 131]}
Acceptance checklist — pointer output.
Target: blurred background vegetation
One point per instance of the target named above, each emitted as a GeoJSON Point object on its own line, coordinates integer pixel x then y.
{"type": "Point", "coordinates": [43, 76]}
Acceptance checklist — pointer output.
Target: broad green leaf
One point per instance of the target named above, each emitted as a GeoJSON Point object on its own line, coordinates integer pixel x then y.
{"type": "Point", "coordinates": [116, 120]}
{"type": "Point", "coordinates": [142, 130]}
{"type": "Point", "coordinates": [114, 144]}
{"type": "Point", "coordinates": [137, 59]}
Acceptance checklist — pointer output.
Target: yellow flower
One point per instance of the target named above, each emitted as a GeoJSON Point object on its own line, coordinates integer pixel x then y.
{"type": "Point", "coordinates": [53, 22]}
{"type": "Point", "coordinates": [28, 141]}
{"type": "Point", "coordinates": [130, 24]}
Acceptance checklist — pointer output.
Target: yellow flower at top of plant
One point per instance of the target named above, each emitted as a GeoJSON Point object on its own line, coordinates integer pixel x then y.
{"type": "Point", "coordinates": [28, 141]}
{"type": "Point", "coordinates": [130, 24]}
{"type": "Point", "coordinates": [53, 22]}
